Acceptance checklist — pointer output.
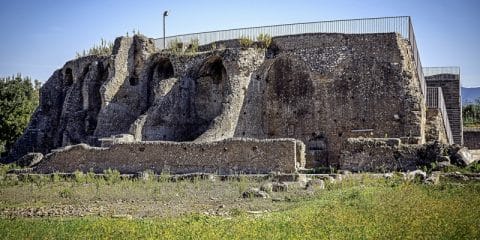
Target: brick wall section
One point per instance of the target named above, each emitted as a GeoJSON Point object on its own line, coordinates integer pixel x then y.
{"type": "Point", "coordinates": [450, 85]}
{"type": "Point", "coordinates": [223, 157]}
{"type": "Point", "coordinates": [471, 138]}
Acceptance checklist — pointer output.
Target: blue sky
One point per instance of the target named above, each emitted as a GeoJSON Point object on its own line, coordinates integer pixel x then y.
{"type": "Point", "coordinates": [40, 36]}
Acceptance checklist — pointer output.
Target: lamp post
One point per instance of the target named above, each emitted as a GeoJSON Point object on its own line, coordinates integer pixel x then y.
{"type": "Point", "coordinates": [165, 14]}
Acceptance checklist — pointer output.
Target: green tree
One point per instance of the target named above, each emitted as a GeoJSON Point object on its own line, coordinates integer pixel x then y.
{"type": "Point", "coordinates": [18, 99]}
{"type": "Point", "coordinates": [471, 114]}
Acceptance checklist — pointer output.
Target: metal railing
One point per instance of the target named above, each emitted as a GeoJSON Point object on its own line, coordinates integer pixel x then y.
{"type": "Point", "coordinates": [431, 71]}
{"type": "Point", "coordinates": [416, 56]}
{"type": "Point", "coordinates": [401, 24]}
{"type": "Point", "coordinates": [350, 26]}
{"type": "Point", "coordinates": [435, 100]}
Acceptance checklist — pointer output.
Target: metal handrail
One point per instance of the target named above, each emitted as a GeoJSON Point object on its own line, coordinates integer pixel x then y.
{"type": "Point", "coordinates": [416, 56]}
{"type": "Point", "coordinates": [431, 71]}
{"type": "Point", "coordinates": [436, 100]}
{"type": "Point", "coordinates": [398, 24]}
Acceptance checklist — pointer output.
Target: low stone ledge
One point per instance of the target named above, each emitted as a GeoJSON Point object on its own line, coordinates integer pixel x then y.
{"type": "Point", "coordinates": [230, 156]}
{"type": "Point", "coordinates": [378, 155]}
{"type": "Point", "coordinates": [389, 154]}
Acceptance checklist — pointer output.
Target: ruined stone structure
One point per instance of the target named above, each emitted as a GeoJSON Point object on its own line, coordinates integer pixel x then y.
{"type": "Point", "coordinates": [450, 84]}
{"type": "Point", "coordinates": [182, 110]}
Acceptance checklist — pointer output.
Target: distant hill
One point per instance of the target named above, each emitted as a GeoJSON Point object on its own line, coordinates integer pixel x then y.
{"type": "Point", "coordinates": [469, 95]}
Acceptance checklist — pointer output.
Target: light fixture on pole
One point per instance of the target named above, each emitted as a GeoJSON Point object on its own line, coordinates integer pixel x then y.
{"type": "Point", "coordinates": [165, 14]}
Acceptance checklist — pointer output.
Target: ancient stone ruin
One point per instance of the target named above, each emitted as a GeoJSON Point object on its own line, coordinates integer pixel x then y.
{"type": "Point", "coordinates": [351, 101]}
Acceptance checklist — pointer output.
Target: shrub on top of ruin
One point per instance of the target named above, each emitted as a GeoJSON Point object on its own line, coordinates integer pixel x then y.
{"type": "Point", "coordinates": [265, 40]}
{"type": "Point", "coordinates": [136, 32]}
{"type": "Point", "coordinates": [245, 42]}
{"type": "Point", "coordinates": [192, 46]}
{"type": "Point", "coordinates": [105, 48]}
{"type": "Point", "coordinates": [175, 46]}
{"type": "Point", "coordinates": [213, 46]}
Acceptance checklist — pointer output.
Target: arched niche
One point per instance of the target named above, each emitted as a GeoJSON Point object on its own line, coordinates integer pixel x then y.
{"type": "Point", "coordinates": [210, 88]}
{"type": "Point", "coordinates": [289, 98]}
{"type": "Point", "coordinates": [162, 69]}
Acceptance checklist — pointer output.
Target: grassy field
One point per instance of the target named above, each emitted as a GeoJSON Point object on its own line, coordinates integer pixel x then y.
{"type": "Point", "coordinates": [365, 208]}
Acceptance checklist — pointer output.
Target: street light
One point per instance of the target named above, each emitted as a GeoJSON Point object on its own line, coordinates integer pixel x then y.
{"type": "Point", "coordinates": [165, 14]}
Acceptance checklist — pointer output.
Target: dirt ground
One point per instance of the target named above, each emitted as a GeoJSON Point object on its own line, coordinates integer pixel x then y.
{"type": "Point", "coordinates": [137, 199]}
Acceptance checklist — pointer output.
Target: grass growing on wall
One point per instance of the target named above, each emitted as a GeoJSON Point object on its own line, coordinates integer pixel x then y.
{"type": "Point", "coordinates": [104, 48]}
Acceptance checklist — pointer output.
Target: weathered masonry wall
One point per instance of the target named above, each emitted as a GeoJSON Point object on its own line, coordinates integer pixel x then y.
{"type": "Point", "coordinates": [325, 88]}
{"type": "Point", "coordinates": [222, 157]}
{"type": "Point", "coordinates": [379, 155]}
{"type": "Point", "coordinates": [471, 138]}
{"type": "Point", "coordinates": [390, 154]}
{"type": "Point", "coordinates": [450, 84]}
{"type": "Point", "coordinates": [153, 96]}
{"type": "Point", "coordinates": [318, 88]}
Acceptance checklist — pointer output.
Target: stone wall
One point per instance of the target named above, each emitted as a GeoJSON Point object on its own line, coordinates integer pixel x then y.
{"type": "Point", "coordinates": [390, 154]}
{"type": "Point", "coordinates": [435, 128]}
{"type": "Point", "coordinates": [450, 84]}
{"type": "Point", "coordinates": [378, 155]}
{"type": "Point", "coordinates": [151, 95]}
{"type": "Point", "coordinates": [222, 157]}
{"type": "Point", "coordinates": [325, 88]}
{"type": "Point", "coordinates": [471, 138]}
